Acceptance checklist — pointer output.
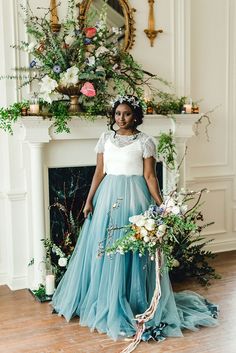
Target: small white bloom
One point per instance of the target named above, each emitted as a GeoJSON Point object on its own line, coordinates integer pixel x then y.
{"type": "Point", "coordinates": [152, 258]}
{"type": "Point", "coordinates": [146, 239]}
{"type": "Point", "coordinates": [116, 30]}
{"type": "Point", "coordinates": [62, 262]}
{"type": "Point", "coordinates": [184, 208]}
{"type": "Point", "coordinates": [175, 263]}
{"type": "Point", "coordinates": [101, 50]}
{"type": "Point", "coordinates": [175, 210]}
{"type": "Point", "coordinates": [69, 39]}
{"type": "Point", "coordinates": [91, 61]}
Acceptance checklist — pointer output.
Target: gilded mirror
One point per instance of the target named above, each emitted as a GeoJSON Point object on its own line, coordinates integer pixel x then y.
{"type": "Point", "coordinates": [119, 14]}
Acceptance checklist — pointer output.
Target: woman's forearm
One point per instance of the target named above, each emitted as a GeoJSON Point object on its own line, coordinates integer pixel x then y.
{"type": "Point", "coordinates": [97, 178]}
{"type": "Point", "coordinates": [154, 188]}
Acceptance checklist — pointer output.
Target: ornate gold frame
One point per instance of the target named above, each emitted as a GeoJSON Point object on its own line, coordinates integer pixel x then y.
{"type": "Point", "coordinates": [128, 15]}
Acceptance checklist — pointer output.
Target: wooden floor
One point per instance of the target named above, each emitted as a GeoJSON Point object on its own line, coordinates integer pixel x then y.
{"type": "Point", "coordinates": [27, 326]}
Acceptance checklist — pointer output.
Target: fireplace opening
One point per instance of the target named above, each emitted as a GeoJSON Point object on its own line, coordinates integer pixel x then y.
{"type": "Point", "coordinates": [68, 190]}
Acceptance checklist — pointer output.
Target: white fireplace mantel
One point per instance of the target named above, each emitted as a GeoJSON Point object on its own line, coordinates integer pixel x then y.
{"type": "Point", "coordinates": [46, 148]}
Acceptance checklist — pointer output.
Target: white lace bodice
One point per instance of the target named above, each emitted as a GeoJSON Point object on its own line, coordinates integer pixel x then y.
{"type": "Point", "coordinates": [123, 155]}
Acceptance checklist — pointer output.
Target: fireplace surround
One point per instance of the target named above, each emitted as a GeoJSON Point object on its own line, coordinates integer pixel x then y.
{"type": "Point", "coordinates": [44, 149]}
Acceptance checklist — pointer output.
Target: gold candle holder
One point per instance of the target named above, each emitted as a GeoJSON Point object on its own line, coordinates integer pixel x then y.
{"type": "Point", "coordinates": [151, 32]}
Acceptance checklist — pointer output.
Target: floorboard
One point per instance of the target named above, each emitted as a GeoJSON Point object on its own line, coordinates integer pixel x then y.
{"type": "Point", "coordinates": [27, 326]}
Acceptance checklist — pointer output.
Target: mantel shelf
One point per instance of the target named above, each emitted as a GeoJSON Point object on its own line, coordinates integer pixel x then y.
{"type": "Point", "coordinates": [39, 129]}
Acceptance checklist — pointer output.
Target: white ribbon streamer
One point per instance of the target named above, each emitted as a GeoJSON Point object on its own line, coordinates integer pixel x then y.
{"type": "Point", "coordinates": [149, 313]}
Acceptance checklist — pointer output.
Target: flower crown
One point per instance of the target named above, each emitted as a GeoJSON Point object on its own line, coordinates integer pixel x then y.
{"type": "Point", "coordinates": [126, 99]}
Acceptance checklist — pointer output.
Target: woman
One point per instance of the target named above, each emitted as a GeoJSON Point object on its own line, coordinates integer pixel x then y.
{"type": "Point", "coordinates": [107, 293]}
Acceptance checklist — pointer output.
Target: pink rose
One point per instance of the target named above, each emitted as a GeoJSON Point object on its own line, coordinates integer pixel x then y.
{"type": "Point", "coordinates": [90, 32]}
{"type": "Point", "coordinates": [88, 90]}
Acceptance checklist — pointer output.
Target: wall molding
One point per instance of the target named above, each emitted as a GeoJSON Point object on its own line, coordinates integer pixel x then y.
{"type": "Point", "coordinates": [180, 19]}
{"type": "Point", "coordinates": [16, 195]}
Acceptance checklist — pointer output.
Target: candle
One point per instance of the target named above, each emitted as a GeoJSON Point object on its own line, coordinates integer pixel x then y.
{"type": "Point", "coordinates": [50, 284]}
{"type": "Point", "coordinates": [34, 109]}
{"type": "Point", "coordinates": [188, 108]}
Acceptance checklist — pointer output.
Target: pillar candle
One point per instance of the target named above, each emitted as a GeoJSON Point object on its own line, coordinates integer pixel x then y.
{"type": "Point", "coordinates": [34, 109]}
{"type": "Point", "coordinates": [188, 108]}
{"type": "Point", "coordinates": [50, 284]}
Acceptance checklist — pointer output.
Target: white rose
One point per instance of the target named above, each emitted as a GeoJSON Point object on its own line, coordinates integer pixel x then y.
{"type": "Point", "coordinates": [150, 224]}
{"type": "Point", "coordinates": [162, 228]}
{"type": "Point", "coordinates": [141, 221]}
{"type": "Point", "coordinates": [146, 239]}
{"type": "Point", "coordinates": [134, 219]}
{"type": "Point", "coordinates": [62, 262]}
{"type": "Point", "coordinates": [159, 234]}
{"type": "Point", "coordinates": [143, 232]}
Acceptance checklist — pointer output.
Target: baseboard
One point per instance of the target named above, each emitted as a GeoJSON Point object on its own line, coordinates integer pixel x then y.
{"type": "Point", "coordinates": [226, 245]}
{"type": "Point", "coordinates": [19, 282]}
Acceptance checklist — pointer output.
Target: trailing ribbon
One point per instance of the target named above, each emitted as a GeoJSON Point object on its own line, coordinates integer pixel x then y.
{"type": "Point", "coordinates": [149, 313]}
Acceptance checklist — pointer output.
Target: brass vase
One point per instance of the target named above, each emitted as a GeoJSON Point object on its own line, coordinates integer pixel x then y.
{"type": "Point", "coordinates": [74, 104]}
{"type": "Point", "coordinates": [73, 93]}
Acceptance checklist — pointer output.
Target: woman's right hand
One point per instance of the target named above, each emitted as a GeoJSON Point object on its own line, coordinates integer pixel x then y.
{"type": "Point", "coordinates": [88, 208]}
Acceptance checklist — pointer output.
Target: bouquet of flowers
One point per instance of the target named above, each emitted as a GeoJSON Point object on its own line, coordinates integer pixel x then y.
{"type": "Point", "coordinates": [173, 229]}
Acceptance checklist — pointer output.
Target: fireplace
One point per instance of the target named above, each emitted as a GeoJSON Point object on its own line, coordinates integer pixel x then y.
{"type": "Point", "coordinates": [44, 150]}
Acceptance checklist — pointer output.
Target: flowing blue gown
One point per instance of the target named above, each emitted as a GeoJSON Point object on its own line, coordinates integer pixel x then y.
{"type": "Point", "coordinates": [106, 293]}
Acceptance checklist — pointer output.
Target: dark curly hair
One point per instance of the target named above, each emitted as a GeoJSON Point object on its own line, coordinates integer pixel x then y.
{"type": "Point", "coordinates": [134, 105]}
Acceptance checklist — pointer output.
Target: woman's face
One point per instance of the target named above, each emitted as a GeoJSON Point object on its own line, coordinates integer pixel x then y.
{"type": "Point", "coordinates": [124, 116]}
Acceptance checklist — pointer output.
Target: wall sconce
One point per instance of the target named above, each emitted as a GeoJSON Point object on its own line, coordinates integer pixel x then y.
{"type": "Point", "coordinates": [151, 32]}
{"type": "Point", "coordinates": [55, 26]}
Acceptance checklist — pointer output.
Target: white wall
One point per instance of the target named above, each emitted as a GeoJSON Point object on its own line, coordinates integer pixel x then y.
{"type": "Point", "coordinates": [197, 52]}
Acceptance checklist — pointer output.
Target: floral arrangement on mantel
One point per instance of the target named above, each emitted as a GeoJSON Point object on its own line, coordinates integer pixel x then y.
{"type": "Point", "coordinates": [80, 68]}
{"type": "Point", "coordinates": [82, 62]}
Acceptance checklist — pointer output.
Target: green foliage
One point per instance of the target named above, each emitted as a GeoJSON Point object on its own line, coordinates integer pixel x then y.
{"type": "Point", "coordinates": [40, 292]}
{"type": "Point", "coordinates": [9, 116]}
{"type": "Point", "coordinates": [59, 111]}
{"type": "Point", "coordinates": [168, 104]}
{"type": "Point", "coordinates": [166, 149]}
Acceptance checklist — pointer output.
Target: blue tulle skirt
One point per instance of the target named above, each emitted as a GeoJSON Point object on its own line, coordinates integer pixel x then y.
{"type": "Point", "coordinates": [106, 293]}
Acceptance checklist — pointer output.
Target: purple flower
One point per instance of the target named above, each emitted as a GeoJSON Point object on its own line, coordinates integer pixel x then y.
{"type": "Point", "coordinates": [87, 41]}
{"type": "Point", "coordinates": [57, 69]}
{"type": "Point", "coordinates": [33, 63]}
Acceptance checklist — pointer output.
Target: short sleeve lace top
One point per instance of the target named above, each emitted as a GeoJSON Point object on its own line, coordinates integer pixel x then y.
{"type": "Point", "coordinates": [124, 154]}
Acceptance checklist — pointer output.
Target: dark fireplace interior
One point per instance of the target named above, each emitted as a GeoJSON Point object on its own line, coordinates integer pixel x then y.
{"type": "Point", "coordinates": [68, 189]}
